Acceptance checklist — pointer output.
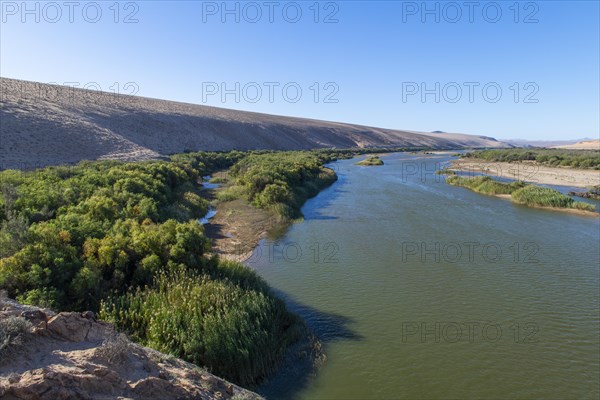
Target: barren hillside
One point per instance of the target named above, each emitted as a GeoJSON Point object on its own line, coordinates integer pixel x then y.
{"type": "Point", "coordinates": [43, 124]}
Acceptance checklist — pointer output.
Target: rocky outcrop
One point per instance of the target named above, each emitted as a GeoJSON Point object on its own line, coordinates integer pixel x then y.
{"type": "Point", "coordinates": [73, 356]}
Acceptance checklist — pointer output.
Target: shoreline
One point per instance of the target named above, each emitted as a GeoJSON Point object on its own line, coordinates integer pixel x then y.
{"type": "Point", "coordinates": [561, 209]}
{"type": "Point", "coordinates": [531, 172]}
{"type": "Point", "coordinates": [237, 229]}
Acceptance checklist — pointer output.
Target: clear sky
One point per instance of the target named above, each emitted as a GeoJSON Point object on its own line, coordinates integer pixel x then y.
{"type": "Point", "coordinates": [409, 65]}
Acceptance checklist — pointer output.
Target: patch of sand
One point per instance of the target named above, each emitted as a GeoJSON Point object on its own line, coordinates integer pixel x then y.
{"type": "Point", "coordinates": [587, 145]}
{"type": "Point", "coordinates": [531, 172]}
{"type": "Point", "coordinates": [238, 227]}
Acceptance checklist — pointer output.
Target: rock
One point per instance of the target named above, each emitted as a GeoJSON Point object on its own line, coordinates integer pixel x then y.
{"type": "Point", "coordinates": [77, 328]}
{"type": "Point", "coordinates": [61, 362]}
{"type": "Point", "coordinates": [155, 388]}
{"type": "Point", "coordinates": [34, 316]}
{"type": "Point", "coordinates": [89, 315]}
{"type": "Point", "coordinates": [70, 326]}
{"type": "Point", "coordinates": [229, 389]}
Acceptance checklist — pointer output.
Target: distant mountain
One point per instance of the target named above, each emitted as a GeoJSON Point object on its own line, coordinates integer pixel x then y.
{"type": "Point", "coordinates": [45, 124]}
{"type": "Point", "coordinates": [583, 145]}
{"type": "Point", "coordinates": [542, 143]}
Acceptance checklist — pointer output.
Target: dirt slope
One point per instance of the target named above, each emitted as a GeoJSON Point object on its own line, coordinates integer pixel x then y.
{"type": "Point", "coordinates": [43, 124]}
{"type": "Point", "coordinates": [73, 356]}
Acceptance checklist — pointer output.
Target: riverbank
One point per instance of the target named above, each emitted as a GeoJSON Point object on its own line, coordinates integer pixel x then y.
{"type": "Point", "coordinates": [238, 227]}
{"type": "Point", "coordinates": [524, 194]}
{"type": "Point", "coordinates": [567, 210]}
{"type": "Point", "coordinates": [530, 172]}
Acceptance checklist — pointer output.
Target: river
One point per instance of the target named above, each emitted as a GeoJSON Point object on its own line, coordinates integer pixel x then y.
{"type": "Point", "coordinates": [419, 289]}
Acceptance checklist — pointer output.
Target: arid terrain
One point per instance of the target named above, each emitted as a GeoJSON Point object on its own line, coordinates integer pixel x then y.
{"type": "Point", "coordinates": [586, 145]}
{"type": "Point", "coordinates": [531, 172]}
{"type": "Point", "coordinates": [44, 124]}
{"type": "Point", "coordinates": [73, 356]}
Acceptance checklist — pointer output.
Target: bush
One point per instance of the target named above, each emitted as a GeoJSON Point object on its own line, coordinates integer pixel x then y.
{"type": "Point", "coordinates": [541, 196]}
{"type": "Point", "coordinates": [115, 350]}
{"type": "Point", "coordinates": [552, 157]}
{"type": "Point", "coordinates": [370, 161]}
{"type": "Point", "coordinates": [14, 332]}
{"type": "Point", "coordinates": [124, 237]}
{"type": "Point", "coordinates": [275, 179]}
{"type": "Point", "coordinates": [485, 184]}
{"type": "Point", "coordinates": [228, 322]}
{"type": "Point", "coordinates": [580, 205]}
{"type": "Point", "coordinates": [520, 192]}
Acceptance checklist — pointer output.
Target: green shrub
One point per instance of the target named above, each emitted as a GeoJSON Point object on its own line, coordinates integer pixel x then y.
{"type": "Point", "coordinates": [485, 184]}
{"type": "Point", "coordinates": [520, 192]}
{"type": "Point", "coordinates": [541, 196]}
{"type": "Point", "coordinates": [232, 325]}
{"type": "Point", "coordinates": [275, 179]}
{"type": "Point", "coordinates": [370, 161]}
{"type": "Point", "coordinates": [580, 205]}
{"type": "Point", "coordinates": [552, 157]}
{"type": "Point", "coordinates": [445, 171]}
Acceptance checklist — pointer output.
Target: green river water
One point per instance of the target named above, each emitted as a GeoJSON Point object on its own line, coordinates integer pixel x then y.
{"type": "Point", "coordinates": [422, 290]}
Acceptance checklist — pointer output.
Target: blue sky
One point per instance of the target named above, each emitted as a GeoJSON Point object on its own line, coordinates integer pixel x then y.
{"type": "Point", "coordinates": [406, 65]}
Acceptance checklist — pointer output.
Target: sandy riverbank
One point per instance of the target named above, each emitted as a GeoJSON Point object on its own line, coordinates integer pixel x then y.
{"type": "Point", "coordinates": [237, 228]}
{"type": "Point", "coordinates": [531, 172]}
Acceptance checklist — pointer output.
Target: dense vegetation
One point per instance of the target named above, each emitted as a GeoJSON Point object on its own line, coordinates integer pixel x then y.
{"type": "Point", "coordinates": [123, 239]}
{"type": "Point", "coordinates": [225, 319]}
{"type": "Point", "coordinates": [485, 184]}
{"type": "Point", "coordinates": [550, 157]}
{"type": "Point", "coordinates": [445, 171]}
{"type": "Point", "coordinates": [530, 195]}
{"type": "Point", "coordinates": [280, 182]}
{"type": "Point", "coordinates": [371, 161]}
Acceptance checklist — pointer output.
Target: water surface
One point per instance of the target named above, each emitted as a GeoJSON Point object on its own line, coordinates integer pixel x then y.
{"type": "Point", "coordinates": [420, 289]}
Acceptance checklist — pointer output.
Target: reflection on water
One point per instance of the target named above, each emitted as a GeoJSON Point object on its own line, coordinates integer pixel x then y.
{"type": "Point", "coordinates": [438, 292]}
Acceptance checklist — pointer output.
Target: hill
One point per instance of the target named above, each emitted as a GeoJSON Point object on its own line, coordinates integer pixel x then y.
{"type": "Point", "coordinates": [586, 145]}
{"type": "Point", "coordinates": [44, 124]}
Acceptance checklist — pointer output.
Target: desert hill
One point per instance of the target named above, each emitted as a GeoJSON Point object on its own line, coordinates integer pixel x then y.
{"type": "Point", "coordinates": [585, 145]}
{"type": "Point", "coordinates": [42, 124]}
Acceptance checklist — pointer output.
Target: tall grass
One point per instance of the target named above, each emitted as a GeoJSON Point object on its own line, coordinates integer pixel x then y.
{"type": "Point", "coordinates": [233, 326]}
{"type": "Point", "coordinates": [530, 195]}
{"type": "Point", "coordinates": [485, 184]}
{"type": "Point", "coordinates": [545, 197]}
